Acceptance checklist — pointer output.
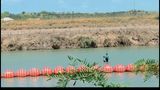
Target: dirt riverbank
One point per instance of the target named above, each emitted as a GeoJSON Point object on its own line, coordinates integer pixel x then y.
{"type": "Point", "coordinates": [42, 39]}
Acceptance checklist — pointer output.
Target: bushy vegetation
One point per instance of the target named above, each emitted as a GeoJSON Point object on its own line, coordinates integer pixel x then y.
{"type": "Point", "coordinates": [119, 41]}
{"type": "Point", "coordinates": [123, 41]}
{"type": "Point", "coordinates": [151, 67]}
{"type": "Point", "coordinates": [109, 43]}
{"type": "Point", "coordinates": [53, 15]}
{"type": "Point", "coordinates": [86, 42]}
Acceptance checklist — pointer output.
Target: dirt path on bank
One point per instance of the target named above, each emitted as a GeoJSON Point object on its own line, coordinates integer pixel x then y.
{"type": "Point", "coordinates": [77, 30]}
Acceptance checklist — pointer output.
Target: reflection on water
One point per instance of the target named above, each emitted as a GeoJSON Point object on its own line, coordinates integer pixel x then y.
{"type": "Point", "coordinates": [9, 81]}
{"type": "Point", "coordinates": [44, 78]}
{"type": "Point", "coordinates": [128, 79]}
{"type": "Point", "coordinates": [34, 79]}
{"type": "Point", "coordinates": [131, 75]}
{"type": "Point", "coordinates": [142, 74]}
{"type": "Point", "coordinates": [120, 75]}
{"type": "Point", "coordinates": [21, 79]}
{"type": "Point", "coordinates": [108, 75]}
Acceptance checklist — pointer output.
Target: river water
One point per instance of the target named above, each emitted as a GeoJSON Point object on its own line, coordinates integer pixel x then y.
{"type": "Point", "coordinates": [52, 58]}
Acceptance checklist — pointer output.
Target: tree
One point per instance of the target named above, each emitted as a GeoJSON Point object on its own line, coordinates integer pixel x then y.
{"type": "Point", "coordinates": [23, 12]}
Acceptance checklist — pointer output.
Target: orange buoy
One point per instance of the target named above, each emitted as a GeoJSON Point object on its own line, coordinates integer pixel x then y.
{"type": "Point", "coordinates": [130, 68]}
{"type": "Point", "coordinates": [9, 74]}
{"type": "Point", "coordinates": [119, 68]}
{"type": "Point", "coordinates": [107, 68]}
{"type": "Point", "coordinates": [46, 70]}
{"type": "Point", "coordinates": [21, 73]}
{"type": "Point", "coordinates": [142, 68]}
{"type": "Point", "coordinates": [95, 67]}
{"type": "Point", "coordinates": [2, 75]}
{"type": "Point", "coordinates": [58, 69]}
{"type": "Point", "coordinates": [82, 68]}
{"type": "Point", "coordinates": [70, 70]}
{"type": "Point", "coordinates": [34, 72]}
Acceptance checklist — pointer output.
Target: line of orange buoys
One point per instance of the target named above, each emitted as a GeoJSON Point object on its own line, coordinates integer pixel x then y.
{"type": "Point", "coordinates": [33, 72]}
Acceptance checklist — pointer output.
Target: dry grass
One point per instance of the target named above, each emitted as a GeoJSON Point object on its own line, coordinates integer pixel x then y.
{"type": "Point", "coordinates": [80, 22]}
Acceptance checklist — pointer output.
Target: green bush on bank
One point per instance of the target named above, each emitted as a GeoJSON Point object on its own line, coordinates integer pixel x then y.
{"type": "Point", "coordinates": [52, 15]}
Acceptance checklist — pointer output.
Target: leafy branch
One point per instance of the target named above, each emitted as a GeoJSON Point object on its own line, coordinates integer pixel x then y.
{"type": "Point", "coordinates": [98, 78]}
{"type": "Point", "coordinates": [75, 61]}
{"type": "Point", "coordinates": [93, 76]}
{"type": "Point", "coordinates": [151, 67]}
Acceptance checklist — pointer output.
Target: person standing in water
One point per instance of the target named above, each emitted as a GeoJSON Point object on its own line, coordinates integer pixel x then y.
{"type": "Point", "coordinates": [106, 58]}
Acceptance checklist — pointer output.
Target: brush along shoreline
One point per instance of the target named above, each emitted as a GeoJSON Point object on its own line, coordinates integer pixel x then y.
{"type": "Point", "coordinates": [80, 37]}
